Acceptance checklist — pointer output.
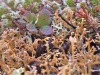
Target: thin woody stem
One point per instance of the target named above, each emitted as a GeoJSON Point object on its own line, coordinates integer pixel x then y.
{"type": "Point", "coordinates": [73, 26]}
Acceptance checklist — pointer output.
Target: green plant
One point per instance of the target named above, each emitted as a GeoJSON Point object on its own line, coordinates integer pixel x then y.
{"type": "Point", "coordinates": [55, 7]}
{"type": "Point", "coordinates": [28, 1]}
{"type": "Point", "coordinates": [46, 30]}
{"type": "Point", "coordinates": [8, 16]}
{"type": "Point", "coordinates": [82, 4]}
{"type": "Point", "coordinates": [95, 13]}
{"type": "Point", "coordinates": [89, 10]}
{"type": "Point", "coordinates": [70, 2]}
{"type": "Point", "coordinates": [2, 11]}
{"type": "Point", "coordinates": [31, 27]}
{"type": "Point", "coordinates": [73, 8]}
{"type": "Point", "coordinates": [37, 0]}
{"type": "Point", "coordinates": [25, 5]}
{"type": "Point", "coordinates": [30, 16]}
{"type": "Point", "coordinates": [78, 19]}
{"type": "Point", "coordinates": [11, 4]}
{"type": "Point", "coordinates": [9, 24]}
{"type": "Point", "coordinates": [35, 7]}
{"type": "Point", "coordinates": [43, 23]}
{"type": "Point", "coordinates": [94, 2]}
{"type": "Point", "coordinates": [44, 18]}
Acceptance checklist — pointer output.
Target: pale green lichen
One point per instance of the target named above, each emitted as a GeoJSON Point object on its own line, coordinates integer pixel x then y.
{"type": "Point", "coordinates": [18, 71]}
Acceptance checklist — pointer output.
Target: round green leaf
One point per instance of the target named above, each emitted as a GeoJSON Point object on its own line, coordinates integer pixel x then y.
{"type": "Point", "coordinates": [46, 30]}
{"type": "Point", "coordinates": [31, 27]}
{"type": "Point", "coordinates": [30, 16]}
{"type": "Point", "coordinates": [44, 18]}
